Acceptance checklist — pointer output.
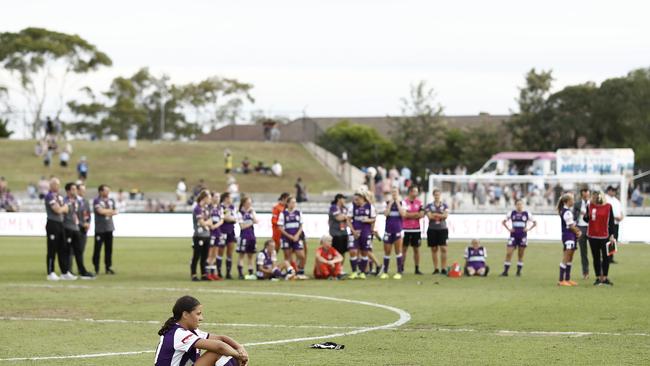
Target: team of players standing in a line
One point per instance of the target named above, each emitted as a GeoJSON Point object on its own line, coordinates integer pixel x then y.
{"type": "Point", "coordinates": [351, 229]}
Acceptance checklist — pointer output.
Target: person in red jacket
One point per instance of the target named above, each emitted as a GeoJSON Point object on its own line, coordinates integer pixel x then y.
{"type": "Point", "coordinates": [600, 230]}
{"type": "Point", "coordinates": [328, 260]}
{"type": "Point", "coordinates": [277, 210]}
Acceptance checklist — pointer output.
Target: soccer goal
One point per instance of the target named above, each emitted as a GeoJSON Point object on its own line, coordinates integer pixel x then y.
{"type": "Point", "coordinates": [496, 193]}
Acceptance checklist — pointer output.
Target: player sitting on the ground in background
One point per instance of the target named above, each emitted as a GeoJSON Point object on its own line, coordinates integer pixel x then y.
{"type": "Point", "coordinates": [328, 260]}
{"type": "Point", "coordinates": [475, 255]}
{"type": "Point", "coordinates": [267, 266]}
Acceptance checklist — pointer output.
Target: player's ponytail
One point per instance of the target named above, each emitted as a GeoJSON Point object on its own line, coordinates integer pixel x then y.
{"type": "Point", "coordinates": [563, 200]}
{"type": "Point", "coordinates": [243, 201]}
{"type": "Point", "coordinates": [184, 304]}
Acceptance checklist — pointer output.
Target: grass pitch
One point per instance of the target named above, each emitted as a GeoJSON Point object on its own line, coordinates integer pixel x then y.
{"type": "Point", "coordinates": [453, 321]}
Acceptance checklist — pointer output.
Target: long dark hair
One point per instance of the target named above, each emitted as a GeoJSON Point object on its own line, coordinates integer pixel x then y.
{"type": "Point", "coordinates": [563, 200]}
{"type": "Point", "coordinates": [185, 303]}
{"type": "Point", "coordinates": [223, 197]}
{"type": "Point", "coordinates": [243, 200]}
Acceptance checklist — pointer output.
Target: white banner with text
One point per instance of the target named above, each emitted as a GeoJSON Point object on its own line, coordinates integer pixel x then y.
{"type": "Point", "coordinates": [179, 225]}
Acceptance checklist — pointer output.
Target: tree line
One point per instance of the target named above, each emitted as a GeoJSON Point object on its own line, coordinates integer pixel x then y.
{"type": "Point", "coordinates": [39, 65]}
{"type": "Point", "coordinates": [614, 114]}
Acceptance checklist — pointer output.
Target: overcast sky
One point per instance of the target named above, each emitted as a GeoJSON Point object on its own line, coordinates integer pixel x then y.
{"type": "Point", "coordinates": [356, 58]}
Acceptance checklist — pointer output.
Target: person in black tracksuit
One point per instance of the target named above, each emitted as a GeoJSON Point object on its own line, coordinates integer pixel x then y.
{"type": "Point", "coordinates": [105, 209]}
{"type": "Point", "coordinates": [72, 232]}
{"type": "Point", "coordinates": [56, 244]}
{"type": "Point", "coordinates": [84, 217]}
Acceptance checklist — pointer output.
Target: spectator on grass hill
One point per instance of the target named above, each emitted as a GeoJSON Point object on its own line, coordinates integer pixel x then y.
{"type": "Point", "coordinates": [328, 260]}
{"type": "Point", "coordinates": [276, 169]}
{"type": "Point", "coordinates": [132, 137]}
{"type": "Point", "coordinates": [637, 197]}
{"type": "Point", "coordinates": [7, 201]}
{"type": "Point", "coordinates": [246, 165]}
{"type": "Point", "coordinates": [82, 168]}
{"type": "Point", "coordinates": [227, 161]}
{"type": "Point", "coordinates": [43, 187]}
{"type": "Point", "coordinates": [301, 191]}
{"type": "Point", "coordinates": [32, 191]}
{"type": "Point", "coordinates": [181, 190]}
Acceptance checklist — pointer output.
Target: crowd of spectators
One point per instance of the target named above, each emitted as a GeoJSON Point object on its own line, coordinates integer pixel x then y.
{"type": "Point", "coordinates": [8, 202]}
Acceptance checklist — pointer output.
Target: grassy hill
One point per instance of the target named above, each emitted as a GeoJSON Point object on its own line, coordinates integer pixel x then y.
{"type": "Point", "coordinates": [156, 167]}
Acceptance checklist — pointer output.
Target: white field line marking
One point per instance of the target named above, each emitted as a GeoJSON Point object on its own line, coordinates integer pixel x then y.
{"type": "Point", "coordinates": [522, 332]}
{"type": "Point", "coordinates": [404, 317]}
{"type": "Point", "coordinates": [122, 321]}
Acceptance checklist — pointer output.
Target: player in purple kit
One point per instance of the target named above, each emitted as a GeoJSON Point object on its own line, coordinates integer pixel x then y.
{"type": "Point", "coordinates": [363, 215]}
{"type": "Point", "coordinates": [570, 235]}
{"type": "Point", "coordinates": [475, 260]}
{"type": "Point", "coordinates": [267, 266]}
{"type": "Point", "coordinates": [201, 238]}
{"type": "Point", "coordinates": [437, 232]}
{"type": "Point", "coordinates": [181, 340]}
{"type": "Point", "coordinates": [518, 235]}
{"type": "Point", "coordinates": [393, 234]}
{"type": "Point", "coordinates": [247, 220]}
{"type": "Point", "coordinates": [292, 241]}
{"type": "Point", "coordinates": [228, 238]}
{"type": "Point", "coordinates": [215, 236]}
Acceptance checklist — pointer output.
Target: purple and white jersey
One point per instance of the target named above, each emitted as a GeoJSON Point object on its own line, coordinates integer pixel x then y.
{"type": "Point", "coordinates": [228, 227]}
{"type": "Point", "coordinates": [439, 208]}
{"type": "Point", "coordinates": [176, 347]}
{"type": "Point", "coordinates": [247, 218]}
{"type": "Point", "coordinates": [51, 199]}
{"type": "Point", "coordinates": [265, 259]}
{"type": "Point", "coordinates": [519, 222]}
{"type": "Point", "coordinates": [360, 213]}
{"type": "Point", "coordinates": [566, 216]}
{"type": "Point", "coordinates": [291, 221]}
{"type": "Point", "coordinates": [215, 215]}
{"type": "Point", "coordinates": [394, 219]}
{"type": "Point", "coordinates": [475, 257]}
{"type": "Point", "coordinates": [200, 213]}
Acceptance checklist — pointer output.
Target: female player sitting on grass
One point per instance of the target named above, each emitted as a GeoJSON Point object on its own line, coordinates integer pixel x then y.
{"type": "Point", "coordinates": [181, 340]}
{"type": "Point", "coordinates": [267, 266]}
{"type": "Point", "coordinates": [570, 234]}
{"type": "Point", "coordinates": [475, 264]}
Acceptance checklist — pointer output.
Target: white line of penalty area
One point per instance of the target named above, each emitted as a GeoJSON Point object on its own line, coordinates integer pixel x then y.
{"type": "Point", "coordinates": [404, 317]}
